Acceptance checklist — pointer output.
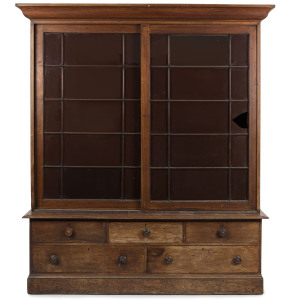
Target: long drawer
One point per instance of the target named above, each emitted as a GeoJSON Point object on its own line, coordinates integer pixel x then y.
{"type": "Point", "coordinates": [203, 259]}
{"type": "Point", "coordinates": [87, 258]}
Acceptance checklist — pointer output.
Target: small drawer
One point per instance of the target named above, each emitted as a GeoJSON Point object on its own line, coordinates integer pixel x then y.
{"type": "Point", "coordinates": [203, 259]}
{"type": "Point", "coordinates": [145, 232]}
{"type": "Point", "coordinates": [87, 259]}
{"type": "Point", "coordinates": [67, 231]}
{"type": "Point", "coordinates": [237, 232]}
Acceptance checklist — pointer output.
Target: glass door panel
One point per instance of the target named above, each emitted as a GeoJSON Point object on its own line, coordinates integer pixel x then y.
{"type": "Point", "coordinates": [199, 136]}
{"type": "Point", "coordinates": [91, 108]}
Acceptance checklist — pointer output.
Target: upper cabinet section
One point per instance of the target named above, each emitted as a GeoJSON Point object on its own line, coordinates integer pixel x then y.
{"type": "Point", "coordinates": [145, 12]}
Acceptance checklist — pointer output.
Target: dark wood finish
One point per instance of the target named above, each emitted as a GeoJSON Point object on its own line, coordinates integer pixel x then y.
{"type": "Point", "coordinates": [236, 233]}
{"type": "Point", "coordinates": [145, 149]}
{"type": "Point", "coordinates": [172, 12]}
{"type": "Point", "coordinates": [149, 232]}
{"type": "Point", "coordinates": [87, 259]}
{"type": "Point", "coordinates": [42, 231]}
{"type": "Point", "coordinates": [203, 259]}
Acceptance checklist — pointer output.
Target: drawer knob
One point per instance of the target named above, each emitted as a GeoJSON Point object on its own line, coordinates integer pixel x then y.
{"type": "Point", "coordinates": [221, 232]}
{"type": "Point", "coordinates": [68, 231]}
{"type": "Point", "coordinates": [146, 232]}
{"type": "Point", "coordinates": [53, 259]}
{"type": "Point", "coordinates": [237, 260]}
{"type": "Point", "coordinates": [168, 259]}
{"type": "Point", "coordinates": [122, 259]}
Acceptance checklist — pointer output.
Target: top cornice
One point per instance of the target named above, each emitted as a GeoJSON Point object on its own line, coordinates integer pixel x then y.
{"type": "Point", "coordinates": [146, 12]}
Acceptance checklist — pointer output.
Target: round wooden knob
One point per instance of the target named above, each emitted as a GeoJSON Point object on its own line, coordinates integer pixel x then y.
{"type": "Point", "coordinates": [53, 259]}
{"type": "Point", "coordinates": [146, 232]}
{"type": "Point", "coordinates": [168, 260]}
{"type": "Point", "coordinates": [237, 260]}
{"type": "Point", "coordinates": [122, 259]}
{"type": "Point", "coordinates": [221, 232]}
{"type": "Point", "coordinates": [68, 231]}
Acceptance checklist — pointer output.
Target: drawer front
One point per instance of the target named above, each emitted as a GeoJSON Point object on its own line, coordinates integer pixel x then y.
{"type": "Point", "coordinates": [246, 233]}
{"type": "Point", "coordinates": [145, 232]}
{"type": "Point", "coordinates": [87, 259]}
{"type": "Point", "coordinates": [68, 231]}
{"type": "Point", "coordinates": [203, 259]}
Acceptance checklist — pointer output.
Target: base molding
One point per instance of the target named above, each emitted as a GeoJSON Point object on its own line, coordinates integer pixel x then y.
{"type": "Point", "coordinates": [145, 284]}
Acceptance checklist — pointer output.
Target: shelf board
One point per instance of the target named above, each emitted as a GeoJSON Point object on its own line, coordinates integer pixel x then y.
{"type": "Point", "coordinates": [142, 215]}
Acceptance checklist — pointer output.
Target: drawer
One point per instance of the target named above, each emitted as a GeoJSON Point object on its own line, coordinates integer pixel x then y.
{"type": "Point", "coordinates": [237, 232]}
{"type": "Point", "coordinates": [67, 231]}
{"type": "Point", "coordinates": [145, 232]}
{"type": "Point", "coordinates": [87, 259]}
{"type": "Point", "coordinates": [203, 259]}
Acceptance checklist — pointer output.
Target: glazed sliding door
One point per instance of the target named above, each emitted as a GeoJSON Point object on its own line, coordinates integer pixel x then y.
{"type": "Point", "coordinates": [202, 118]}
{"type": "Point", "coordinates": [88, 140]}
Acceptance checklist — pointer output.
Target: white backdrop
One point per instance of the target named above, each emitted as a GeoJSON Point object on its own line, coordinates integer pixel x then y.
{"type": "Point", "coordinates": [15, 148]}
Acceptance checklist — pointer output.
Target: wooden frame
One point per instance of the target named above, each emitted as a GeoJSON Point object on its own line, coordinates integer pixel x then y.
{"type": "Point", "coordinates": [145, 31]}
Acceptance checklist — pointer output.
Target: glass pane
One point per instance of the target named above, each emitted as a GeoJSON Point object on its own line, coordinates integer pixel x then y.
{"type": "Point", "coordinates": [52, 48]}
{"type": "Point", "coordinates": [92, 116]}
{"type": "Point", "coordinates": [159, 151]}
{"type": "Point", "coordinates": [239, 49]}
{"type": "Point", "coordinates": [159, 50]}
{"type": "Point", "coordinates": [52, 183]}
{"type": "Point", "coordinates": [199, 151]}
{"type": "Point", "coordinates": [52, 149]}
{"type": "Point", "coordinates": [159, 83]}
{"type": "Point", "coordinates": [239, 151]}
{"type": "Point", "coordinates": [52, 82]}
{"type": "Point", "coordinates": [239, 84]}
{"type": "Point", "coordinates": [132, 83]}
{"type": "Point", "coordinates": [132, 150]}
{"type": "Point", "coordinates": [159, 122]}
{"type": "Point", "coordinates": [132, 116]}
{"type": "Point", "coordinates": [199, 184]}
{"type": "Point", "coordinates": [132, 49]}
{"type": "Point", "coordinates": [92, 83]}
{"type": "Point", "coordinates": [131, 183]}
{"type": "Point", "coordinates": [239, 185]}
{"type": "Point", "coordinates": [92, 150]}
{"type": "Point", "coordinates": [238, 117]}
{"type": "Point", "coordinates": [199, 117]}
{"type": "Point", "coordinates": [199, 83]}
{"type": "Point", "coordinates": [52, 116]}
{"type": "Point", "coordinates": [92, 49]}
{"type": "Point", "coordinates": [92, 183]}
{"type": "Point", "coordinates": [199, 50]}
{"type": "Point", "coordinates": [159, 184]}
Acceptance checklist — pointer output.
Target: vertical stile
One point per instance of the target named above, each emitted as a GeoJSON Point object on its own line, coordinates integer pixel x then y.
{"type": "Point", "coordinates": [145, 115]}
{"type": "Point", "coordinates": [169, 119]}
{"type": "Point", "coordinates": [61, 117]}
{"type": "Point", "coordinates": [122, 117]}
{"type": "Point", "coordinates": [230, 125]}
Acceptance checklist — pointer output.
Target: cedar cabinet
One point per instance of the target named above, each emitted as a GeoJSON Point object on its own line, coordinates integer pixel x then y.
{"type": "Point", "coordinates": [145, 144]}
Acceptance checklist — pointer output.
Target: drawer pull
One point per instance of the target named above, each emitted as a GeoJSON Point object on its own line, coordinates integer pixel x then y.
{"type": "Point", "coordinates": [68, 231]}
{"type": "Point", "coordinates": [221, 232]}
{"type": "Point", "coordinates": [122, 259]}
{"type": "Point", "coordinates": [53, 259]}
{"type": "Point", "coordinates": [146, 232]}
{"type": "Point", "coordinates": [168, 260]}
{"type": "Point", "coordinates": [237, 260]}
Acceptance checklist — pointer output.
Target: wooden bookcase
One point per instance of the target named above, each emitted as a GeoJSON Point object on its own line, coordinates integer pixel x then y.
{"type": "Point", "coordinates": [145, 149]}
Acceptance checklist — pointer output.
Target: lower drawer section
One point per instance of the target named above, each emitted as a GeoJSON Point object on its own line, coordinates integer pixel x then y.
{"type": "Point", "coordinates": [88, 258]}
{"type": "Point", "coordinates": [203, 259]}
